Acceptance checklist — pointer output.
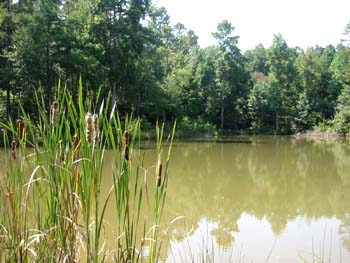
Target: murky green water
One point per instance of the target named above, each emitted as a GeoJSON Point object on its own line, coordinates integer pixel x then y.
{"type": "Point", "coordinates": [262, 199]}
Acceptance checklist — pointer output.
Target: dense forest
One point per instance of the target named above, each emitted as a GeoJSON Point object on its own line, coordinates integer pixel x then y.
{"type": "Point", "coordinates": [156, 70]}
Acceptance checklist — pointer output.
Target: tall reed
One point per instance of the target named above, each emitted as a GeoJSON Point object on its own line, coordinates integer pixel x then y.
{"type": "Point", "coordinates": [53, 210]}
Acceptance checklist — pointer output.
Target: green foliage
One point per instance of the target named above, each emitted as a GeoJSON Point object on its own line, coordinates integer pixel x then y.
{"type": "Point", "coordinates": [258, 103]}
{"type": "Point", "coordinates": [283, 86]}
{"type": "Point", "coordinates": [158, 70]}
{"type": "Point", "coordinates": [189, 127]}
{"type": "Point", "coordinates": [342, 116]}
{"type": "Point", "coordinates": [51, 191]}
{"type": "Point", "coordinates": [320, 91]}
{"type": "Point", "coordinates": [257, 60]}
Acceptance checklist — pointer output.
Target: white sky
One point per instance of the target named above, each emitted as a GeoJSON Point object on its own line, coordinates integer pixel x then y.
{"type": "Point", "coordinates": [302, 23]}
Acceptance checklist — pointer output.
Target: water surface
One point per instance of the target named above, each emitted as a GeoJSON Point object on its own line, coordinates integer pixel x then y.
{"type": "Point", "coordinates": [262, 199]}
{"type": "Point", "coordinates": [259, 199]}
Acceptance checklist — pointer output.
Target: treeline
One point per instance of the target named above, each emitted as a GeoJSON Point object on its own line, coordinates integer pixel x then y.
{"type": "Point", "coordinates": [156, 70]}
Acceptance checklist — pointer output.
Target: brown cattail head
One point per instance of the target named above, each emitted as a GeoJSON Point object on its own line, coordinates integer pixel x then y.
{"type": "Point", "coordinates": [127, 157]}
{"type": "Point", "coordinates": [54, 113]}
{"type": "Point", "coordinates": [13, 148]}
{"type": "Point", "coordinates": [21, 128]}
{"type": "Point", "coordinates": [95, 128]}
{"type": "Point", "coordinates": [126, 137]}
{"type": "Point", "coordinates": [160, 167]}
{"type": "Point", "coordinates": [89, 127]}
{"type": "Point", "coordinates": [55, 104]}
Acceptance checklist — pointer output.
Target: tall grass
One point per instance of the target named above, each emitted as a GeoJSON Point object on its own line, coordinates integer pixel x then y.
{"type": "Point", "coordinates": [52, 209]}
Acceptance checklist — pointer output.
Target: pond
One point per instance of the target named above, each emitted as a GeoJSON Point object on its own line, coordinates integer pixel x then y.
{"type": "Point", "coordinates": [251, 199]}
{"type": "Point", "coordinates": [260, 199]}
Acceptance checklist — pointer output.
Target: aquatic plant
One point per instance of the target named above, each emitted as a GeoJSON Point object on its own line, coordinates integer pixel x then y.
{"type": "Point", "coordinates": [52, 209]}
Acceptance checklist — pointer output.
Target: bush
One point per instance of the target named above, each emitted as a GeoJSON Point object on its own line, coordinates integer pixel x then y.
{"type": "Point", "coordinates": [189, 126]}
{"type": "Point", "coordinates": [342, 116]}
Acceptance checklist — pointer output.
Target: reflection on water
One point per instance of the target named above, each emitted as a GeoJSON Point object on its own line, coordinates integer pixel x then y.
{"type": "Point", "coordinates": [270, 199]}
{"type": "Point", "coordinates": [261, 199]}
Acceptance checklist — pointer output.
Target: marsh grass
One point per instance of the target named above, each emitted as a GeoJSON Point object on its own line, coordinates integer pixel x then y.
{"type": "Point", "coordinates": [52, 209]}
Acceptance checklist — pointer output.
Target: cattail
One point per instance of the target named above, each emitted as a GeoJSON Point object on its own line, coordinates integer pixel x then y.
{"type": "Point", "coordinates": [160, 167]}
{"type": "Point", "coordinates": [126, 137]}
{"type": "Point", "coordinates": [89, 127]}
{"type": "Point", "coordinates": [96, 131]}
{"type": "Point", "coordinates": [54, 113]}
{"type": "Point", "coordinates": [13, 149]}
{"type": "Point", "coordinates": [127, 157]}
{"type": "Point", "coordinates": [21, 128]}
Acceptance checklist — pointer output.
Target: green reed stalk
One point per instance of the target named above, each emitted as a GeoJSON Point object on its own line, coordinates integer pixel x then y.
{"type": "Point", "coordinates": [52, 205]}
{"type": "Point", "coordinates": [161, 175]}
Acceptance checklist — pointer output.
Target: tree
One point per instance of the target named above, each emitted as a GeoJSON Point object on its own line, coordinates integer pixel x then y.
{"type": "Point", "coordinates": [230, 76]}
{"type": "Point", "coordinates": [37, 42]}
{"type": "Point", "coordinates": [342, 116]}
{"type": "Point", "coordinates": [283, 88]}
{"type": "Point", "coordinates": [340, 66]}
{"type": "Point", "coordinates": [256, 60]}
{"type": "Point", "coordinates": [319, 91]}
{"type": "Point", "coordinates": [258, 104]}
{"type": "Point", "coordinates": [7, 28]}
{"type": "Point", "coordinates": [118, 28]}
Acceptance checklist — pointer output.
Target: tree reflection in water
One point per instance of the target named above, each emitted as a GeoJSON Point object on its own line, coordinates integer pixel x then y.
{"type": "Point", "coordinates": [277, 179]}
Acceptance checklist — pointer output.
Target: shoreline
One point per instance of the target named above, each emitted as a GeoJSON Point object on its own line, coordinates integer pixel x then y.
{"type": "Point", "coordinates": [315, 135]}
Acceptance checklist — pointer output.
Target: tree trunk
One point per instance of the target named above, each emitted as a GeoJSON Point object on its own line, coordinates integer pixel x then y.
{"type": "Point", "coordinates": [222, 118]}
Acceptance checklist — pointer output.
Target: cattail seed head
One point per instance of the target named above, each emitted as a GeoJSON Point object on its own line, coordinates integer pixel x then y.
{"type": "Point", "coordinates": [160, 167]}
{"type": "Point", "coordinates": [95, 128]}
{"type": "Point", "coordinates": [126, 137]}
{"type": "Point", "coordinates": [89, 127]}
{"type": "Point", "coordinates": [127, 157]}
{"type": "Point", "coordinates": [54, 113]}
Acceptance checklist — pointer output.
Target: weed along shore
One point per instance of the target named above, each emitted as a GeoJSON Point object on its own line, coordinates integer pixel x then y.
{"type": "Point", "coordinates": [52, 209]}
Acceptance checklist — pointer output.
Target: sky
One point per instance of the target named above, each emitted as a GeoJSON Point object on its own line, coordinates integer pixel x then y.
{"type": "Point", "coordinates": [302, 23]}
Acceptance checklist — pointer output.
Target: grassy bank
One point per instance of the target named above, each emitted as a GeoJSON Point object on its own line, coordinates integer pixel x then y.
{"type": "Point", "coordinates": [52, 209]}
